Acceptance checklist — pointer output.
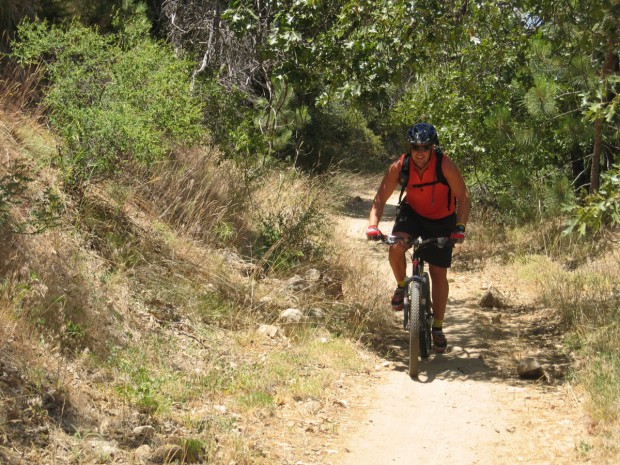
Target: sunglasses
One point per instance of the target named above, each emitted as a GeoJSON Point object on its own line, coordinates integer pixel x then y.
{"type": "Point", "coordinates": [420, 148]}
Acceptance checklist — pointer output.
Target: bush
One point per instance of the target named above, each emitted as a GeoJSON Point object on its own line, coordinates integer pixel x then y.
{"type": "Point", "coordinates": [339, 135]}
{"type": "Point", "coordinates": [522, 197]}
{"type": "Point", "coordinates": [599, 210]}
{"type": "Point", "coordinates": [229, 115]}
{"type": "Point", "coordinates": [289, 212]}
{"type": "Point", "coordinates": [112, 99]}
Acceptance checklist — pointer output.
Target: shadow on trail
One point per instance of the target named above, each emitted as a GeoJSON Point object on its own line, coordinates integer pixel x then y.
{"type": "Point", "coordinates": [468, 343]}
{"type": "Point", "coordinates": [457, 363]}
{"type": "Point", "coordinates": [477, 349]}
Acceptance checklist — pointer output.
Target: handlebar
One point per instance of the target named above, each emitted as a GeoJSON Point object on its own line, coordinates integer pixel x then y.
{"type": "Point", "coordinates": [417, 243]}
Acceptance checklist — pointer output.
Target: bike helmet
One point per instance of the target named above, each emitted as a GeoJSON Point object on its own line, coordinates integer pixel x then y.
{"type": "Point", "coordinates": [422, 134]}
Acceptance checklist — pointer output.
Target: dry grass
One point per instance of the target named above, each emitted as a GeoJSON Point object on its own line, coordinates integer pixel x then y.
{"type": "Point", "coordinates": [19, 88]}
{"type": "Point", "coordinates": [200, 194]}
{"type": "Point", "coordinates": [588, 299]}
{"type": "Point", "coordinates": [577, 283]}
{"type": "Point", "coordinates": [365, 290]}
{"type": "Point", "coordinates": [129, 315]}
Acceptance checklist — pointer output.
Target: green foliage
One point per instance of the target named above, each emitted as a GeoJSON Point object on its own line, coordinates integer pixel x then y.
{"type": "Point", "coordinates": [540, 99]}
{"type": "Point", "coordinates": [229, 117]}
{"type": "Point", "coordinates": [141, 390]}
{"type": "Point", "coordinates": [73, 335]}
{"type": "Point", "coordinates": [599, 210]}
{"type": "Point", "coordinates": [257, 399]}
{"type": "Point", "coordinates": [289, 218]}
{"type": "Point", "coordinates": [193, 450]}
{"type": "Point", "coordinates": [339, 135]}
{"type": "Point", "coordinates": [138, 385]}
{"type": "Point", "coordinates": [602, 381]}
{"type": "Point", "coordinates": [522, 197]}
{"type": "Point", "coordinates": [278, 119]}
{"type": "Point", "coordinates": [112, 99]}
{"type": "Point", "coordinates": [212, 308]}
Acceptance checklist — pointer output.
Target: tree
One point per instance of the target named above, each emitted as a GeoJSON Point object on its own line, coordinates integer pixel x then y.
{"type": "Point", "coordinates": [588, 29]}
{"type": "Point", "coordinates": [114, 99]}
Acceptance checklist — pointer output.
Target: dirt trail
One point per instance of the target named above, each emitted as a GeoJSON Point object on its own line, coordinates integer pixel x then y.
{"type": "Point", "coordinates": [468, 406]}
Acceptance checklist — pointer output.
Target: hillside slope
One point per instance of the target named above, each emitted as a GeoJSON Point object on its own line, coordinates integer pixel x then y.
{"type": "Point", "coordinates": [126, 335]}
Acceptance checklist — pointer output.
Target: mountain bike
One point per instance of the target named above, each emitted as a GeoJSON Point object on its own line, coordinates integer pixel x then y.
{"type": "Point", "coordinates": [417, 309]}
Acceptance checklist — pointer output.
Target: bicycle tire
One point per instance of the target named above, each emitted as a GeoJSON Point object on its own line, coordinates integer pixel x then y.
{"type": "Point", "coordinates": [426, 340]}
{"type": "Point", "coordinates": [414, 328]}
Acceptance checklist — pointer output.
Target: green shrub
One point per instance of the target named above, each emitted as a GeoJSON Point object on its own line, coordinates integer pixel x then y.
{"type": "Point", "coordinates": [229, 117]}
{"type": "Point", "coordinates": [286, 236]}
{"type": "Point", "coordinates": [599, 210]}
{"type": "Point", "coordinates": [291, 211]}
{"type": "Point", "coordinates": [252, 129]}
{"type": "Point", "coordinates": [520, 196]}
{"type": "Point", "coordinates": [112, 99]}
{"type": "Point", "coordinates": [339, 135]}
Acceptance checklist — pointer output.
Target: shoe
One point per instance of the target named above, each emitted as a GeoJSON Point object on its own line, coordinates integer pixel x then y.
{"type": "Point", "coordinates": [398, 299]}
{"type": "Point", "coordinates": [440, 343]}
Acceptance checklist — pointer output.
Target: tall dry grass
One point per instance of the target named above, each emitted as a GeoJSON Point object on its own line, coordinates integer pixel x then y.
{"type": "Point", "coordinates": [588, 300]}
{"type": "Point", "coordinates": [131, 303]}
{"type": "Point", "coordinates": [19, 88]}
{"type": "Point", "coordinates": [200, 193]}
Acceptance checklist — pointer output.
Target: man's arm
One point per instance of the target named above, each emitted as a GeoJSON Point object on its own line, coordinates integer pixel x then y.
{"type": "Point", "coordinates": [459, 189]}
{"type": "Point", "coordinates": [386, 188]}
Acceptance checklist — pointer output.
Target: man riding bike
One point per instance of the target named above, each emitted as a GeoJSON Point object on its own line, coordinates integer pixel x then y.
{"type": "Point", "coordinates": [436, 204]}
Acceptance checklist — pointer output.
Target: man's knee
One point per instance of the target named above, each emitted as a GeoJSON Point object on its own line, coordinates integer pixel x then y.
{"type": "Point", "coordinates": [438, 273]}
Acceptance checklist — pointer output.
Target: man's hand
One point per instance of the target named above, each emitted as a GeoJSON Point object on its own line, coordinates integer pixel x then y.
{"type": "Point", "coordinates": [373, 233]}
{"type": "Point", "coordinates": [458, 235]}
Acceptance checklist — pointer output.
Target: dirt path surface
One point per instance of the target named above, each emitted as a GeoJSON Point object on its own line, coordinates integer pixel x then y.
{"type": "Point", "coordinates": [468, 405]}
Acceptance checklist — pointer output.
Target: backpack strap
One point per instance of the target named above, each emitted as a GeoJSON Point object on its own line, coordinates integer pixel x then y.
{"type": "Point", "coordinates": [438, 171]}
{"type": "Point", "coordinates": [403, 178]}
{"type": "Point", "coordinates": [439, 174]}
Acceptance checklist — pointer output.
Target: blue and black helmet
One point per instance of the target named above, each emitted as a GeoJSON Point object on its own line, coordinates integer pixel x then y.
{"type": "Point", "coordinates": [422, 134]}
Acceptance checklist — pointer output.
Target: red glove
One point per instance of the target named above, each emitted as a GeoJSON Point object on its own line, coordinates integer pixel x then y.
{"type": "Point", "coordinates": [458, 235]}
{"type": "Point", "coordinates": [373, 233]}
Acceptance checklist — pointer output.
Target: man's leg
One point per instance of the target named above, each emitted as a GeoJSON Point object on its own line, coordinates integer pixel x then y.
{"type": "Point", "coordinates": [439, 290]}
{"type": "Point", "coordinates": [397, 259]}
{"type": "Point", "coordinates": [399, 268]}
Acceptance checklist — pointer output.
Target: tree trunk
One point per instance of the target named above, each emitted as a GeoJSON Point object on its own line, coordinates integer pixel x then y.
{"type": "Point", "coordinates": [596, 156]}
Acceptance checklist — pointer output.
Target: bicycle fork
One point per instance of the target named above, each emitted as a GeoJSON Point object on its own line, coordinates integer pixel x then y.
{"type": "Point", "coordinates": [425, 298]}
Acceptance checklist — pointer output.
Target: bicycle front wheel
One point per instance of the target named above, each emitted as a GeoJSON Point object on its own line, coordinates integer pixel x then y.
{"type": "Point", "coordinates": [414, 328]}
{"type": "Point", "coordinates": [425, 317]}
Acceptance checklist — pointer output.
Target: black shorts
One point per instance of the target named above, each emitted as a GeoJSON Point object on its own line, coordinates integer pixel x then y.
{"type": "Point", "coordinates": [410, 222]}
